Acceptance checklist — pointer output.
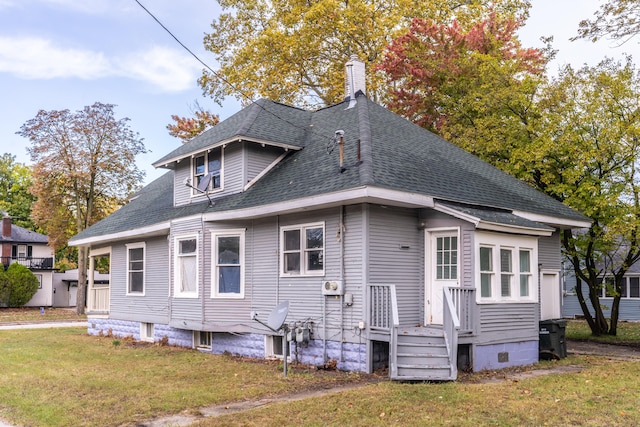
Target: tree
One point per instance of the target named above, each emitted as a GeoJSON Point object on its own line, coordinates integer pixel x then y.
{"type": "Point", "coordinates": [587, 155]}
{"type": "Point", "coordinates": [15, 198]}
{"type": "Point", "coordinates": [188, 128]}
{"type": "Point", "coordinates": [574, 138]}
{"type": "Point", "coordinates": [475, 87]}
{"type": "Point", "coordinates": [84, 169]}
{"type": "Point", "coordinates": [617, 19]}
{"type": "Point", "coordinates": [294, 51]}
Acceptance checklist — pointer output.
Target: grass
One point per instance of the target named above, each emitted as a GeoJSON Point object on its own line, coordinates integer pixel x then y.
{"type": "Point", "coordinates": [602, 394]}
{"type": "Point", "coordinates": [628, 333]}
{"type": "Point", "coordinates": [65, 377]}
{"type": "Point", "coordinates": [33, 314]}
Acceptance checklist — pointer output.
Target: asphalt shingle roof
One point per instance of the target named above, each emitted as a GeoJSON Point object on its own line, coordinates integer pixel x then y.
{"type": "Point", "coordinates": [395, 154]}
{"type": "Point", "coordinates": [22, 235]}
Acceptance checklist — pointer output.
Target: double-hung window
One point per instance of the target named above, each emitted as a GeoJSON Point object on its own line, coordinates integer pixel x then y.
{"type": "Point", "coordinates": [504, 272]}
{"type": "Point", "coordinates": [135, 268]}
{"type": "Point", "coordinates": [486, 271]}
{"type": "Point", "coordinates": [228, 263]}
{"type": "Point", "coordinates": [186, 266]}
{"type": "Point", "coordinates": [525, 273]}
{"type": "Point", "coordinates": [302, 250]}
{"type": "Point", "coordinates": [208, 167]}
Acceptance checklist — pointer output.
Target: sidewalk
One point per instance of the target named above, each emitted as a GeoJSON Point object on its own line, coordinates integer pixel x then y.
{"type": "Point", "coordinates": [42, 325]}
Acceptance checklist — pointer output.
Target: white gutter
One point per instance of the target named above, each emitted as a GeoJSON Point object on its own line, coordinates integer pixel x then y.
{"type": "Point", "coordinates": [553, 220]}
{"type": "Point", "coordinates": [481, 224]}
{"type": "Point", "coordinates": [351, 196]}
{"type": "Point", "coordinates": [159, 229]}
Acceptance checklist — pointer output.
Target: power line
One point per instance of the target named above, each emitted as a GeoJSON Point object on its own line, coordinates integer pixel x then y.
{"type": "Point", "coordinates": [221, 78]}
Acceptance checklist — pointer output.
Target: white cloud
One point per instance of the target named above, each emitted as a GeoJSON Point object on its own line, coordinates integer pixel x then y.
{"type": "Point", "coordinates": [169, 69]}
{"type": "Point", "coordinates": [166, 69]}
{"type": "Point", "coordinates": [36, 58]}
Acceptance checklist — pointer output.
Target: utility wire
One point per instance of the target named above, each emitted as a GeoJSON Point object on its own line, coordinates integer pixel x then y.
{"type": "Point", "coordinates": [220, 77]}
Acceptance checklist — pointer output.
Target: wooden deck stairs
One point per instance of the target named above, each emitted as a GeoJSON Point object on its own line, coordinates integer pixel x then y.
{"type": "Point", "coordinates": [421, 354]}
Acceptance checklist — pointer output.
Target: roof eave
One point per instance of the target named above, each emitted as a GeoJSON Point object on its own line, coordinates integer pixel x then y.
{"type": "Point", "coordinates": [166, 162]}
{"type": "Point", "coordinates": [554, 221]}
{"type": "Point", "coordinates": [160, 229]}
{"type": "Point", "coordinates": [364, 194]}
{"type": "Point", "coordinates": [481, 224]}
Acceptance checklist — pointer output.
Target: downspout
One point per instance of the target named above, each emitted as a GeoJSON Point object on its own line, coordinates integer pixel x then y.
{"type": "Point", "coordinates": [170, 278]}
{"type": "Point", "coordinates": [202, 263]}
{"type": "Point", "coordinates": [341, 233]}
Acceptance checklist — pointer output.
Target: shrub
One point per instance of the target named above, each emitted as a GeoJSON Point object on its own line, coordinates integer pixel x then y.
{"type": "Point", "coordinates": [5, 287]}
{"type": "Point", "coordinates": [22, 285]}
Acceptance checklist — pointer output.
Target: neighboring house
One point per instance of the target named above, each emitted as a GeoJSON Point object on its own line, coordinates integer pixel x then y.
{"type": "Point", "coordinates": [30, 249]}
{"type": "Point", "coordinates": [629, 302]}
{"type": "Point", "coordinates": [65, 286]}
{"type": "Point", "coordinates": [396, 248]}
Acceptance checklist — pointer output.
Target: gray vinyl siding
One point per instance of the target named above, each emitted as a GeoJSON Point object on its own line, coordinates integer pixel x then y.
{"type": "Point", "coordinates": [233, 176]}
{"type": "Point", "coordinates": [501, 323]}
{"type": "Point", "coordinates": [259, 158]}
{"type": "Point", "coordinates": [233, 169]}
{"type": "Point", "coordinates": [549, 254]}
{"type": "Point", "coordinates": [396, 257]}
{"type": "Point", "coordinates": [153, 306]}
{"type": "Point", "coordinates": [629, 307]}
{"type": "Point", "coordinates": [265, 287]}
{"type": "Point", "coordinates": [186, 313]}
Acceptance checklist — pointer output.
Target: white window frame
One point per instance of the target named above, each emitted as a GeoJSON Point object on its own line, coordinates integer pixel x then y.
{"type": "Point", "coordinates": [177, 276]}
{"type": "Point", "coordinates": [215, 234]}
{"type": "Point", "coordinates": [303, 250]}
{"type": "Point", "coordinates": [626, 288]}
{"type": "Point", "coordinates": [194, 176]}
{"type": "Point", "coordinates": [197, 340]}
{"type": "Point", "coordinates": [525, 274]}
{"type": "Point", "coordinates": [515, 244]}
{"type": "Point", "coordinates": [269, 346]}
{"type": "Point", "coordinates": [145, 328]}
{"type": "Point", "coordinates": [143, 246]}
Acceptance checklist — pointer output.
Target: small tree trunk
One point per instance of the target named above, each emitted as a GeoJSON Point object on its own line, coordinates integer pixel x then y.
{"type": "Point", "coordinates": [583, 305]}
{"type": "Point", "coordinates": [82, 280]}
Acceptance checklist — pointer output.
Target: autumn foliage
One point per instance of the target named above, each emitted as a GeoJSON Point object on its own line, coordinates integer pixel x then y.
{"type": "Point", "coordinates": [434, 64]}
{"type": "Point", "coordinates": [186, 128]}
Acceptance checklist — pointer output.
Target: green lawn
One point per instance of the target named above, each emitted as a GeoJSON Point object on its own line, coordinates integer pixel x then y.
{"type": "Point", "coordinates": [33, 314]}
{"type": "Point", "coordinates": [628, 333]}
{"type": "Point", "coordinates": [63, 377]}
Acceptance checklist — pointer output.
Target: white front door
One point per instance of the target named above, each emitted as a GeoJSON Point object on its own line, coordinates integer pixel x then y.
{"type": "Point", "coordinates": [441, 270]}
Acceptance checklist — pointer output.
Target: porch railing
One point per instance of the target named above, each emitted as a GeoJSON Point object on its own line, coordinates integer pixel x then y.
{"type": "Point", "coordinates": [463, 301]}
{"type": "Point", "coordinates": [98, 298]}
{"type": "Point", "coordinates": [30, 262]}
{"type": "Point", "coordinates": [382, 307]}
{"type": "Point", "coordinates": [451, 327]}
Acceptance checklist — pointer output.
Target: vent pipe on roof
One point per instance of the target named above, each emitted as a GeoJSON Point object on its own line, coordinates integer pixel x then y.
{"type": "Point", "coordinates": [354, 79]}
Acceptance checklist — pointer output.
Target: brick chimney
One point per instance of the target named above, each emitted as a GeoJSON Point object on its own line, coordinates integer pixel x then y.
{"type": "Point", "coordinates": [6, 226]}
{"type": "Point", "coordinates": [6, 237]}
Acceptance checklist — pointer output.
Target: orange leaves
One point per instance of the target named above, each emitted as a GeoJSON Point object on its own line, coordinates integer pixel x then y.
{"type": "Point", "coordinates": [187, 128]}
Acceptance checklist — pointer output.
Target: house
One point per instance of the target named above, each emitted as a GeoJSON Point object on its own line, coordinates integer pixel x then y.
{"type": "Point", "coordinates": [392, 246]}
{"type": "Point", "coordinates": [65, 286]}
{"type": "Point", "coordinates": [31, 250]}
{"type": "Point", "coordinates": [629, 300]}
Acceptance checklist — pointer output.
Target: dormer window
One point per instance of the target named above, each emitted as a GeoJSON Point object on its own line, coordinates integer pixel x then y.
{"type": "Point", "coordinates": [208, 166]}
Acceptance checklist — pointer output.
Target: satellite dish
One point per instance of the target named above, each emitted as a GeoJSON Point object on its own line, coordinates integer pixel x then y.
{"type": "Point", "coordinates": [204, 182]}
{"type": "Point", "coordinates": [278, 316]}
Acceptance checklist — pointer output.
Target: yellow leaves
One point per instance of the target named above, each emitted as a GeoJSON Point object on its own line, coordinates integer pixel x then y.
{"type": "Point", "coordinates": [294, 51]}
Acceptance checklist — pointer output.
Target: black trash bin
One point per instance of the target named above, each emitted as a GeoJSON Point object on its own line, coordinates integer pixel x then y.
{"type": "Point", "coordinates": [552, 340]}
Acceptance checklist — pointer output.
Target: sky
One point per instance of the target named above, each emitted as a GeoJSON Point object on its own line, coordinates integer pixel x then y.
{"type": "Point", "coordinates": [67, 54]}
